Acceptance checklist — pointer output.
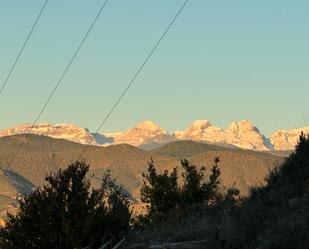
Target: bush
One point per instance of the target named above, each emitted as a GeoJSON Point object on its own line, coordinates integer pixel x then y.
{"type": "Point", "coordinates": [65, 213]}
{"type": "Point", "coordinates": [164, 194]}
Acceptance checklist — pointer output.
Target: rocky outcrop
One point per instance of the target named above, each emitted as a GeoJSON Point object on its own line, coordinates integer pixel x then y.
{"type": "Point", "coordinates": [149, 135]}
{"type": "Point", "coordinates": [65, 131]}
{"type": "Point", "coordinates": [139, 134]}
{"type": "Point", "coordinates": [241, 134]}
{"type": "Point", "coordinates": [287, 140]}
{"type": "Point", "coordinates": [245, 135]}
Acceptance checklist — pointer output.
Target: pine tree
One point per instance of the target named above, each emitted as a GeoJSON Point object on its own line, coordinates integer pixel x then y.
{"type": "Point", "coordinates": [161, 190]}
{"type": "Point", "coordinates": [193, 190]}
{"type": "Point", "coordinates": [213, 185]}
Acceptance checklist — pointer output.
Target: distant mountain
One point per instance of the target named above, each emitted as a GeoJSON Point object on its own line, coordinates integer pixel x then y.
{"type": "Point", "coordinates": [287, 140]}
{"type": "Point", "coordinates": [148, 135]}
{"type": "Point", "coordinates": [139, 134]}
{"type": "Point", "coordinates": [202, 130]}
{"type": "Point", "coordinates": [241, 134]}
{"type": "Point", "coordinates": [65, 131]}
{"type": "Point", "coordinates": [244, 135]}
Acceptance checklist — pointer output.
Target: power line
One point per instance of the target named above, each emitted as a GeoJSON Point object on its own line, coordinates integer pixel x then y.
{"type": "Point", "coordinates": [60, 79]}
{"type": "Point", "coordinates": [136, 74]}
{"type": "Point", "coordinates": [23, 47]}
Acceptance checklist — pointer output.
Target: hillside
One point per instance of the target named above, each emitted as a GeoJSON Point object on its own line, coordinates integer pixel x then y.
{"type": "Point", "coordinates": [184, 149]}
{"type": "Point", "coordinates": [244, 168]}
{"type": "Point", "coordinates": [276, 215]}
{"type": "Point", "coordinates": [273, 215]}
{"type": "Point", "coordinates": [42, 155]}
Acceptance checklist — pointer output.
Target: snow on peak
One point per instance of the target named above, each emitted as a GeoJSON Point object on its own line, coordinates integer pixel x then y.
{"type": "Point", "coordinates": [148, 125]}
{"type": "Point", "coordinates": [65, 131]}
{"type": "Point", "coordinates": [242, 134]}
{"type": "Point", "coordinates": [201, 124]}
{"type": "Point", "coordinates": [241, 125]}
{"type": "Point", "coordinates": [287, 140]}
{"type": "Point", "coordinates": [140, 133]}
{"type": "Point", "coordinates": [202, 130]}
{"type": "Point", "coordinates": [245, 135]}
{"type": "Point", "coordinates": [134, 136]}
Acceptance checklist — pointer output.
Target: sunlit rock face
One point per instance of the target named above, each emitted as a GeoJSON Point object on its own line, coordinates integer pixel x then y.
{"type": "Point", "coordinates": [202, 130]}
{"type": "Point", "coordinates": [244, 135]}
{"type": "Point", "coordinates": [139, 134]}
{"type": "Point", "coordinates": [241, 134]}
{"type": "Point", "coordinates": [65, 131]}
{"type": "Point", "coordinates": [287, 140]}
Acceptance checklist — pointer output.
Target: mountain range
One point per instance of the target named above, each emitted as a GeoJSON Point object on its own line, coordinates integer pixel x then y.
{"type": "Point", "coordinates": [42, 155]}
{"type": "Point", "coordinates": [148, 135]}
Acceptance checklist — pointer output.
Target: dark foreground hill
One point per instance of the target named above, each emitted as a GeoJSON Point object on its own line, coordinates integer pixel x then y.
{"type": "Point", "coordinates": [42, 155]}
{"type": "Point", "coordinates": [272, 216]}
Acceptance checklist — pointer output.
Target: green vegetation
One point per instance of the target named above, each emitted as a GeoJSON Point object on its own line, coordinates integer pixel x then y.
{"type": "Point", "coordinates": [165, 195]}
{"type": "Point", "coordinates": [65, 213]}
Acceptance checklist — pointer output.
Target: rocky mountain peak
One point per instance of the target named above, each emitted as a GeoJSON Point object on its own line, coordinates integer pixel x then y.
{"type": "Point", "coordinates": [201, 124]}
{"type": "Point", "coordinates": [245, 135]}
{"type": "Point", "coordinates": [241, 126]}
{"type": "Point", "coordinates": [148, 126]}
{"type": "Point", "coordinates": [140, 133]}
{"type": "Point", "coordinates": [65, 131]}
{"type": "Point", "coordinates": [202, 130]}
{"type": "Point", "coordinates": [242, 134]}
{"type": "Point", "coordinates": [287, 140]}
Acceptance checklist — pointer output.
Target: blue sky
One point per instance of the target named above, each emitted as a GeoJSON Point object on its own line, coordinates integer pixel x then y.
{"type": "Point", "coordinates": [222, 61]}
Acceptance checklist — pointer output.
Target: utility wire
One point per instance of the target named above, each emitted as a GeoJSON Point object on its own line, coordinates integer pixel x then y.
{"type": "Point", "coordinates": [136, 75]}
{"type": "Point", "coordinates": [23, 47]}
{"type": "Point", "coordinates": [60, 80]}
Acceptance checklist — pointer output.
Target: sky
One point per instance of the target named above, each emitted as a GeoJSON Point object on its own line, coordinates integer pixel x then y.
{"type": "Point", "coordinates": [223, 61]}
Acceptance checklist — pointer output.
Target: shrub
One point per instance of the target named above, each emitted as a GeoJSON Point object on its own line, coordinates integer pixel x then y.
{"type": "Point", "coordinates": [164, 194]}
{"type": "Point", "coordinates": [66, 213]}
